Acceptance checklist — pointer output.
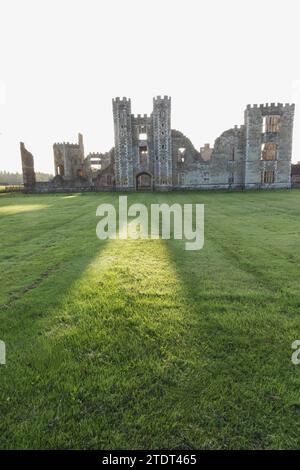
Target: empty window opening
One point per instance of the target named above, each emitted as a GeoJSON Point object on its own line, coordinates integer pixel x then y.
{"type": "Point", "coordinates": [108, 179]}
{"type": "Point", "coordinates": [95, 164]}
{"type": "Point", "coordinates": [143, 149]}
{"type": "Point", "coordinates": [268, 176]}
{"type": "Point", "coordinates": [163, 146]}
{"type": "Point", "coordinates": [181, 178]}
{"type": "Point", "coordinates": [142, 133]}
{"type": "Point", "coordinates": [233, 154]}
{"type": "Point", "coordinates": [61, 170]}
{"type": "Point", "coordinates": [271, 123]}
{"type": "Point", "coordinates": [181, 154]}
{"type": "Point", "coordinates": [96, 167]}
{"type": "Point", "coordinates": [231, 179]}
{"type": "Point", "coordinates": [269, 151]}
{"type": "Point", "coordinates": [143, 154]}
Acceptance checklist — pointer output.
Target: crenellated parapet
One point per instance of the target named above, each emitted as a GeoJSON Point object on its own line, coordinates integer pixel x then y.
{"type": "Point", "coordinates": [123, 100]}
{"type": "Point", "coordinates": [272, 106]}
{"type": "Point", "coordinates": [162, 99]}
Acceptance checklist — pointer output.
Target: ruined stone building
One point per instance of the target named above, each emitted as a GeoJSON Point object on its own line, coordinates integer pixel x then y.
{"type": "Point", "coordinates": [148, 154]}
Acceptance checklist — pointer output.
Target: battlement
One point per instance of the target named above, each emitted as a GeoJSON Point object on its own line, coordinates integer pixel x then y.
{"type": "Point", "coordinates": [271, 105]}
{"type": "Point", "coordinates": [140, 116]}
{"type": "Point", "coordinates": [94, 154]}
{"type": "Point", "coordinates": [121, 100]}
{"type": "Point", "coordinates": [65, 144]}
{"type": "Point", "coordinates": [159, 98]}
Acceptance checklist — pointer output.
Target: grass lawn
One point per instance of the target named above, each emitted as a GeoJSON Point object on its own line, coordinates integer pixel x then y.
{"type": "Point", "coordinates": [141, 344]}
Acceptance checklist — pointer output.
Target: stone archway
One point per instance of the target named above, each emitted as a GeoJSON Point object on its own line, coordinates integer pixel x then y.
{"type": "Point", "coordinates": [144, 181]}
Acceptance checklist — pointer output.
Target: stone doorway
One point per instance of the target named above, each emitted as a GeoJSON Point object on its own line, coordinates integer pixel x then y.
{"type": "Point", "coordinates": [144, 182]}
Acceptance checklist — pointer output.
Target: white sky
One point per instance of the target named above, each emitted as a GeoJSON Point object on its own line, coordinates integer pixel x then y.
{"type": "Point", "coordinates": [62, 61]}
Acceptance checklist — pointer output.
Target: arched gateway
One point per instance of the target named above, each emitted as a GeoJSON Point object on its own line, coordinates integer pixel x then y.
{"type": "Point", "coordinates": [144, 182]}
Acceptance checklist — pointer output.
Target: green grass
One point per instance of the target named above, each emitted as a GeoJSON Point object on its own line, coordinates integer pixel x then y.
{"type": "Point", "coordinates": [141, 344]}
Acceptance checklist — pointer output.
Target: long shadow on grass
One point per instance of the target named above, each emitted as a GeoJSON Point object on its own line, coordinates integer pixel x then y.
{"type": "Point", "coordinates": [33, 321]}
{"type": "Point", "coordinates": [236, 360]}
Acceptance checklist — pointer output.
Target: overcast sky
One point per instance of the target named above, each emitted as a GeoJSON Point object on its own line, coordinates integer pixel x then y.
{"type": "Point", "coordinates": [62, 61]}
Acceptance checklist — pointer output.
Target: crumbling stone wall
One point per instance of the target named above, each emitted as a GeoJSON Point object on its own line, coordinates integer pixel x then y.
{"type": "Point", "coordinates": [206, 152]}
{"type": "Point", "coordinates": [27, 168]}
{"type": "Point", "coordinates": [105, 179]}
{"type": "Point", "coordinates": [226, 165]}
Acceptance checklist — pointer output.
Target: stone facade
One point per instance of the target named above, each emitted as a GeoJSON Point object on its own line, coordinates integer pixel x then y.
{"type": "Point", "coordinates": [148, 154]}
{"type": "Point", "coordinates": [269, 132]}
{"type": "Point", "coordinates": [69, 159]}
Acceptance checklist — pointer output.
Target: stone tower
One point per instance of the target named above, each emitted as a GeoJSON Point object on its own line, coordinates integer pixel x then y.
{"type": "Point", "coordinates": [123, 144]}
{"type": "Point", "coordinates": [27, 167]}
{"type": "Point", "coordinates": [162, 142]}
{"type": "Point", "coordinates": [69, 159]}
{"type": "Point", "coordinates": [269, 133]}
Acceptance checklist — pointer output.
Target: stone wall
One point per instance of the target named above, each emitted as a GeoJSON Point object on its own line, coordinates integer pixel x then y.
{"type": "Point", "coordinates": [27, 167]}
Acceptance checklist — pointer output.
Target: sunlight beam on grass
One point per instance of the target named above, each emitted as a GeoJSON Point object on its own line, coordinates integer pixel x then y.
{"type": "Point", "coordinates": [18, 209]}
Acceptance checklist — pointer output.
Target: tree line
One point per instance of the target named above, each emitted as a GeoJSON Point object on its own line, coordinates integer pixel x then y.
{"type": "Point", "coordinates": [6, 177]}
